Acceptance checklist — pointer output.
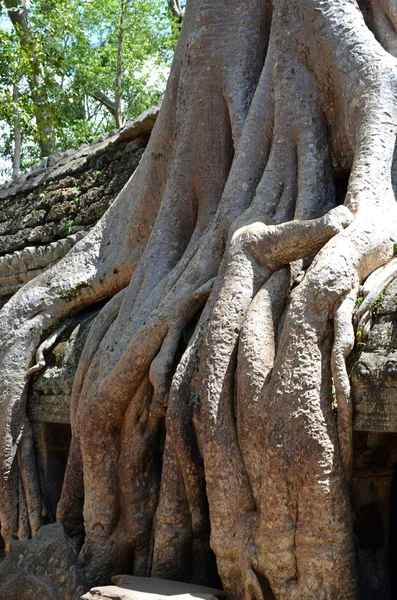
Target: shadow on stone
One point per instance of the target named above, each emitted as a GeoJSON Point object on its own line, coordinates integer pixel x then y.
{"type": "Point", "coordinates": [44, 567]}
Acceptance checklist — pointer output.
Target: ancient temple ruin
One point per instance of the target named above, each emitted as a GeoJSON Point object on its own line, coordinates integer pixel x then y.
{"type": "Point", "coordinates": [42, 215]}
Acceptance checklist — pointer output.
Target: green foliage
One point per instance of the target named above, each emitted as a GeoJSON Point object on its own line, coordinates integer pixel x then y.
{"type": "Point", "coordinates": [74, 292]}
{"type": "Point", "coordinates": [378, 301]}
{"type": "Point", "coordinates": [69, 226]}
{"type": "Point", "coordinates": [74, 44]}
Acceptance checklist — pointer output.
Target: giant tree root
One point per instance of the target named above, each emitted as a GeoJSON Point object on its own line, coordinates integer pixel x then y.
{"type": "Point", "coordinates": [201, 408]}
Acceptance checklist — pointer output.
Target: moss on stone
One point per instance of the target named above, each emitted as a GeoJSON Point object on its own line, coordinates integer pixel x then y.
{"type": "Point", "coordinates": [69, 295]}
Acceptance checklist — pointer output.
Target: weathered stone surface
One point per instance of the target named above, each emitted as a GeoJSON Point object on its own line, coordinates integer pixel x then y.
{"type": "Point", "coordinates": [44, 568]}
{"type": "Point", "coordinates": [151, 588]}
{"type": "Point", "coordinates": [44, 212]}
{"type": "Point", "coordinates": [374, 393]}
{"type": "Point", "coordinates": [374, 372]}
{"type": "Point", "coordinates": [24, 265]}
{"type": "Point", "coordinates": [50, 397]}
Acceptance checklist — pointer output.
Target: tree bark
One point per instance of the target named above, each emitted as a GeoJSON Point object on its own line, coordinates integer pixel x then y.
{"type": "Point", "coordinates": [16, 158]}
{"type": "Point", "coordinates": [233, 228]}
{"type": "Point", "coordinates": [18, 15]}
{"type": "Point", "coordinates": [115, 106]}
{"type": "Point", "coordinates": [119, 67]}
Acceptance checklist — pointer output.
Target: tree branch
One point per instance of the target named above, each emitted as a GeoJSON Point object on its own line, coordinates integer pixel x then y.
{"type": "Point", "coordinates": [19, 17]}
{"type": "Point", "coordinates": [176, 9]}
{"type": "Point", "coordinates": [119, 68]}
{"type": "Point", "coordinates": [16, 10]}
{"type": "Point", "coordinates": [105, 100]}
{"type": "Point", "coordinates": [16, 159]}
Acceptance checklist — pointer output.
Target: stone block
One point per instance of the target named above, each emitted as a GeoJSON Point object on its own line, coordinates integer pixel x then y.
{"type": "Point", "coordinates": [151, 588]}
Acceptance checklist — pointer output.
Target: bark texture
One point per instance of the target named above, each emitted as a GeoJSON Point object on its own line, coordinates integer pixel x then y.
{"type": "Point", "coordinates": [202, 413]}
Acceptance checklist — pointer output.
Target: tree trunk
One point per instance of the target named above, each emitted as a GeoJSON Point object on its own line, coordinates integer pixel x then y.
{"type": "Point", "coordinates": [234, 226]}
{"type": "Point", "coordinates": [19, 17]}
{"type": "Point", "coordinates": [16, 158]}
{"type": "Point", "coordinates": [115, 106]}
{"type": "Point", "coordinates": [119, 67]}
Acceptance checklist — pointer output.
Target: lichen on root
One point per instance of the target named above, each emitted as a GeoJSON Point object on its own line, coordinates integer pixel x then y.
{"type": "Point", "coordinates": [228, 441]}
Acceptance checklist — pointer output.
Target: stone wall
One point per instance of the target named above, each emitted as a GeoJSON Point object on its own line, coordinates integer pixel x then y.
{"type": "Point", "coordinates": [42, 215]}
{"type": "Point", "coordinates": [373, 374]}
{"type": "Point", "coordinates": [49, 407]}
{"type": "Point", "coordinates": [46, 210]}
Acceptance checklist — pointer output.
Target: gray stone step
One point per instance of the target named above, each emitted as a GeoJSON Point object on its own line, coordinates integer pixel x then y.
{"type": "Point", "coordinates": [151, 588]}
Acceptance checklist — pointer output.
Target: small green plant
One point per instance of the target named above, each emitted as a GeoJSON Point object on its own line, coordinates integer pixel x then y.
{"type": "Point", "coordinates": [359, 301]}
{"type": "Point", "coordinates": [97, 173]}
{"type": "Point", "coordinates": [75, 191]}
{"type": "Point", "coordinates": [42, 195]}
{"type": "Point", "coordinates": [69, 295]}
{"type": "Point", "coordinates": [376, 303]}
{"type": "Point", "coordinates": [69, 226]}
{"type": "Point", "coordinates": [359, 335]}
{"type": "Point", "coordinates": [35, 330]}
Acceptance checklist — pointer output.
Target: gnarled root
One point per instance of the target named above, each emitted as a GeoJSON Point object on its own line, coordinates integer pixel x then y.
{"type": "Point", "coordinates": [373, 290]}
{"type": "Point", "coordinates": [343, 345]}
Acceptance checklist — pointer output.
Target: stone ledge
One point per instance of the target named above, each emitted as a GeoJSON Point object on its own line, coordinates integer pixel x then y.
{"type": "Point", "coordinates": [50, 409]}
{"type": "Point", "coordinates": [59, 165]}
{"type": "Point", "coordinates": [151, 588]}
{"type": "Point", "coordinates": [24, 265]}
{"type": "Point", "coordinates": [43, 213]}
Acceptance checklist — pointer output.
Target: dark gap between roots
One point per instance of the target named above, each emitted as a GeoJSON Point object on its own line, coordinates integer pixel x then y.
{"type": "Point", "coordinates": [341, 181]}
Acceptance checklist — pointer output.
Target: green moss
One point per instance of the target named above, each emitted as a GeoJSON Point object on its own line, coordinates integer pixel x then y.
{"type": "Point", "coordinates": [377, 302]}
{"type": "Point", "coordinates": [59, 352]}
{"type": "Point", "coordinates": [69, 295]}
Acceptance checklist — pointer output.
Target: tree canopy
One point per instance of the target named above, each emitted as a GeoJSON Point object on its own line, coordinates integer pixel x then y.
{"type": "Point", "coordinates": [72, 70]}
